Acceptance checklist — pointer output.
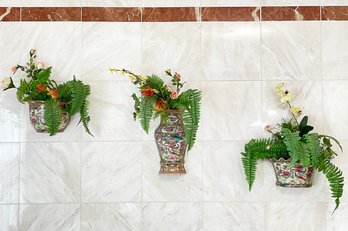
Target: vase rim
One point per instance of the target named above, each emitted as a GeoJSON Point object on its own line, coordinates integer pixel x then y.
{"type": "Point", "coordinates": [42, 101]}
{"type": "Point", "coordinates": [173, 111]}
{"type": "Point", "coordinates": [287, 160]}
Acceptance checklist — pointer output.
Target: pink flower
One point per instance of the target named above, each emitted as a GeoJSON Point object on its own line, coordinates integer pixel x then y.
{"type": "Point", "coordinates": [174, 95]}
{"type": "Point", "coordinates": [177, 75]}
{"type": "Point", "coordinates": [14, 69]}
{"type": "Point", "coordinates": [268, 128]}
{"type": "Point", "coordinates": [40, 65]}
{"type": "Point", "coordinates": [168, 70]}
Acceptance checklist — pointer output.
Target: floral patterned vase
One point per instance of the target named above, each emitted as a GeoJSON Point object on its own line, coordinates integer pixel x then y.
{"type": "Point", "coordinates": [171, 144]}
{"type": "Point", "coordinates": [37, 116]}
{"type": "Point", "coordinates": [292, 177]}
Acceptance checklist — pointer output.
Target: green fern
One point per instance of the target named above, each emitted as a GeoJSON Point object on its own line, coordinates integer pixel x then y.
{"type": "Point", "coordinates": [335, 178]}
{"type": "Point", "coordinates": [260, 149]}
{"type": "Point", "coordinates": [296, 147]}
{"type": "Point", "coordinates": [52, 116]}
{"type": "Point", "coordinates": [84, 117]}
{"type": "Point", "coordinates": [155, 82]}
{"type": "Point", "coordinates": [191, 116]}
{"type": "Point", "coordinates": [78, 95]}
{"type": "Point", "coordinates": [146, 110]}
{"type": "Point", "coordinates": [313, 148]}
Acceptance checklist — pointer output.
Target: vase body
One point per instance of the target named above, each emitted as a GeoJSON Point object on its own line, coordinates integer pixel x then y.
{"type": "Point", "coordinates": [296, 176]}
{"type": "Point", "coordinates": [171, 144]}
{"type": "Point", "coordinates": [37, 116]}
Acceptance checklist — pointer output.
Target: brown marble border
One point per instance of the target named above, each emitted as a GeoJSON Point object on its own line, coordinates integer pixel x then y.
{"type": "Point", "coordinates": [291, 13]}
{"type": "Point", "coordinates": [174, 14]}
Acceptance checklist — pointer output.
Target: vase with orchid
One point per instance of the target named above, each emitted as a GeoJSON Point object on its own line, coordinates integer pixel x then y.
{"type": "Point", "coordinates": [179, 112]}
{"type": "Point", "coordinates": [295, 152]}
{"type": "Point", "coordinates": [50, 104]}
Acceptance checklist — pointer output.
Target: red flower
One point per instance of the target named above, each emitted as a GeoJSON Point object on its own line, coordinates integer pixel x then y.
{"type": "Point", "coordinates": [160, 105]}
{"type": "Point", "coordinates": [41, 88]}
{"type": "Point", "coordinates": [53, 93]}
{"type": "Point", "coordinates": [147, 92]}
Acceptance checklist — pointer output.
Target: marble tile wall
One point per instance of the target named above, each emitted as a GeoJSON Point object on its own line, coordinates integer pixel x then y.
{"type": "Point", "coordinates": [111, 182]}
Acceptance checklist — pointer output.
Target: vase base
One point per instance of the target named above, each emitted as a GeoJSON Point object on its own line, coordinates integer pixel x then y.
{"type": "Point", "coordinates": [172, 168]}
{"type": "Point", "coordinates": [284, 185]}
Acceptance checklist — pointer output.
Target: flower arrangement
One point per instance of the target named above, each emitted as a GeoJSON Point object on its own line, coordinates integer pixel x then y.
{"type": "Point", "coordinates": [157, 98]}
{"type": "Point", "coordinates": [58, 99]}
{"type": "Point", "coordinates": [292, 141]}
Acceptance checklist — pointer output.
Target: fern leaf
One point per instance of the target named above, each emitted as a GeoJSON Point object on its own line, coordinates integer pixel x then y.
{"type": "Point", "coordinates": [335, 178]}
{"type": "Point", "coordinates": [260, 149]}
{"type": "Point", "coordinates": [249, 160]}
{"type": "Point", "coordinates": [78, 96]}
{"type": "Point", "coordinates": [146, 110]}
{"type": "Point", "coordinates": [294, 145]}
{"type": "Point", "coordinates": [191, 117]}
{"type": "Point", "coordinates": [155, 82]}
{"type": "Point", "coordinates": [52, 116]}
{"type": "Point", "coordinates": [313, 146]}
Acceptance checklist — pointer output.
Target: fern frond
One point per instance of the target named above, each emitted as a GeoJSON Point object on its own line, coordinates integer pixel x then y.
{"type": "Point", "coordinates": [191, 117]}
{"type": "Point", "coordinates": [296, 148]}
{"type": "Point", "coordinates": [155, 82]}
{"type": "Point", "coordinates": [335, 178]}
{"type": "Point", "coordinates": [260, 149]}
{"type": "Point", "coordinates": [52, 116]}
{"type": "Point", "coordinates": [78, 95]}
{"type": "Point", "coordinates": [146, 110]}
{"type": "Point", "coordinates": [313, 147]}
{"type": "Point", "coordinates": [84, 117]}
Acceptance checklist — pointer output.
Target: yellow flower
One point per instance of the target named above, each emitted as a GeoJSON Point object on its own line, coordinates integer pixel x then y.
{"type": "Point", "coordinates": [143, 77]}
{"type": "Point", "coordinates": [286, 97]}
{"type": "Point", "coordinates": [131, 77]}
{"type": "Point", "coordinates": [123, 72]}
{"type": "Point", "coordinates": [279, 88]}
{"type": "Point", "coordinates": [296, 111]}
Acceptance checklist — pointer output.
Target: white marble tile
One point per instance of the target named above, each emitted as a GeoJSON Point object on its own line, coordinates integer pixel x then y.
{"type": "Point", "coordinates": [231, 110]}
{"type": "Point", "coordinates": [231, 51]}
{"type": "Point", "coordinates": [6, 3]}
{"type": "Point", "coordinates": [58, 45]}
{"type": "Point", "coordinates": [52, 217]}
{"type": "Point", "coordinates": [172, 216]}
{"type": "Point", "coordinates": [111, 3]}
{"type": "Point", "coordinates": [123, 216]}
{"type": "Point", "coordinates": [306, 94]}
{"type": "Point", "coordinates": [233, 216]}
{"type": "Point", "coordinates": [335, 2]}
{"type": "Point", "coordinates": [170, 3]}
{"type": "Point", "coordinates": [295, 216]}
{"type": "Point", "coordinates": [70, 3]}
{"type": "Point", "coordinates": [223, 175]}
{"type": "Point", "coordinates": [160, 187]}
{"type": "Point", "coordinates": [291, 50]}
{"type": "Point", "coordinates": [337, 221]}
{"type": "Point", "coordinates": [335, 108]}
{"type": "Point", "coordinates": [9, 217]}
{"type": "Point", "coordinates": [10, 117]}
{"type": "Point", "coordinates": [230, 3]}
{"type": "Point", "coordinates": [108, 45]}
{"type": "Point", "coordinates": [111, 172]}
{"type": "Point", "coordinates": [50, 172]}
{"type": "Point", "coordinates": [172, 45]}
{"type": "Point", "coordinates": [334, 49]}
{"type": "Point", "coordinates": [9, 173]}
{"type": "Point", "coordinates": [290, 2]}
{"type": "Point", "coordinates": [111, 112]}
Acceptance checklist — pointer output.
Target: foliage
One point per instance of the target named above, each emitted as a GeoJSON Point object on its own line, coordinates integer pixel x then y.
{"type": "Point", "coordinates": [157, 98]}
{"type": "Point", "coordinates": [293, 140]}
{"type": "Point", "coordinates": [39, 87]}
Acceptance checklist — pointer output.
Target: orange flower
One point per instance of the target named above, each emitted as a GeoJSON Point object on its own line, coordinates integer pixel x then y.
{"type": "Point", "coordinates": [160, 105]}
{"type": "Point", "coordinates": [53, 93]}
{"type": "Point", "coordinates": [41, 88]}
{"type": "Point", "coordinates": [147, 92]}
